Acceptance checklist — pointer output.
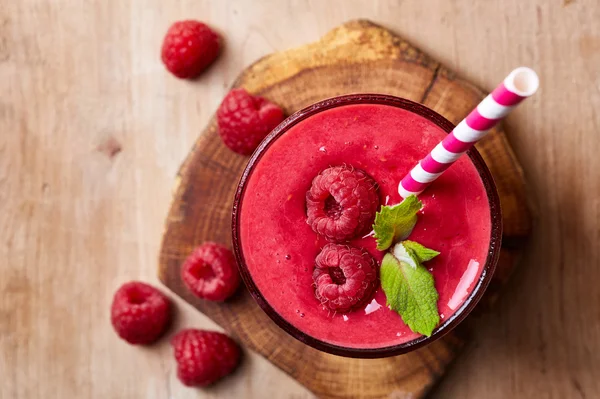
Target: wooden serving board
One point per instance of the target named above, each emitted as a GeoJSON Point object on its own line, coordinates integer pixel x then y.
{"type": "Point", "coordinates": [356, 57]}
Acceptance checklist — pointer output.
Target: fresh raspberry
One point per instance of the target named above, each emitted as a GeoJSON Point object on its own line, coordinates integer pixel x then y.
{"type": "Point", "coordinates": [344, 276]}
{"type": "Point", "coordinates": [210, 272]}
{"type": "Point", "coordinates": [188, 48]}
{"type": "Point", "coordinates": [139, 313]}
{"type": "Point", "coordinates": [245, 120]}
{"type": "Point", "coordinates": [341, 203]}
{"type": "Point", "coordinates": [203, 357]}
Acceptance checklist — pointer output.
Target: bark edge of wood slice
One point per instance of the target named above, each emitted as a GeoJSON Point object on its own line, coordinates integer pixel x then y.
{"type": "Point", "coordinates": [358, 56]}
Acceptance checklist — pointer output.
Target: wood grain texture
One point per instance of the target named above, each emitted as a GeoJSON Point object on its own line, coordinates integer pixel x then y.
{"type": "Point", "coordinates": [357, 57]}
{"type": "Point", "coordinates": [75, 222]}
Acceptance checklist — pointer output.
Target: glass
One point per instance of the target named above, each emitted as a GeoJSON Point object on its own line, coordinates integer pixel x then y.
{"type": "Point", "coordinates": [448, 324]}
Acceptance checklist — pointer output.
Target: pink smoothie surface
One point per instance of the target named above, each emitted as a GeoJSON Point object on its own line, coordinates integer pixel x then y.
{"type": "Point", "coordinates": [279, 247]}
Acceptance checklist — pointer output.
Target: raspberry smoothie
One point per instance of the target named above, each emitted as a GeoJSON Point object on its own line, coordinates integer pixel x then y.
{"type": "Point", "coordinates": [281, 249]}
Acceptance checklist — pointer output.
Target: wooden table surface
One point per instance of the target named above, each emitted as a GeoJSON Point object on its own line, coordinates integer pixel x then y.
{"type": "Point", "coordinates": [92, 132]}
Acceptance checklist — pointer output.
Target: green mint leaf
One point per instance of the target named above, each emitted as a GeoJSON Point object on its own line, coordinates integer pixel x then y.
{"type": "Point", "coordinates": [410, 290]}
{"type": "Point", "coordinates": [404, 254]}
{"type": "Point", "coordinates": [422, 253]}
{"type": "Point", "coordinates": [395, 223]}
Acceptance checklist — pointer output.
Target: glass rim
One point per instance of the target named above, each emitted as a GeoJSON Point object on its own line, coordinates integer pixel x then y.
{"type": "Point", "coordinates": [448, 324]}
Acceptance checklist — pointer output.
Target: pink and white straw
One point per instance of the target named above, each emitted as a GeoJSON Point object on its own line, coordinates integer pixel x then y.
{"type": "Point", "coordinates": [517, 86]}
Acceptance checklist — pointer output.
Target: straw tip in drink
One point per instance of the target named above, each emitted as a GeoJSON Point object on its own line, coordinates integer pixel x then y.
{"type": "Point", "coordinates": [522, 81]}
{"type": "Point", "coordinates": [404, 193]}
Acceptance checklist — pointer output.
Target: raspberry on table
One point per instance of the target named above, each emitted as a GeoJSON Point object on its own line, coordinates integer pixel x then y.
{"type": "Point", "coordinates": [245, 120]}
{"type": "Point", "coordinates": [344, 276]}
{"type": "Point", "coordinates": [140, 313]}
{"type": "Point", "coordinates": [203, 357]}
{"type": "Point", "coordinates": [189, 47]}
{"type": "Point", "coordinates": [210, 272]}
{"type": "Point", "coordinates": [341, 203]}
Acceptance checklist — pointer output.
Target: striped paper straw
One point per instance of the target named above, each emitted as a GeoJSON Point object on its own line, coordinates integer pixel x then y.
{"type": "Point", "coordinates": [518, 85]}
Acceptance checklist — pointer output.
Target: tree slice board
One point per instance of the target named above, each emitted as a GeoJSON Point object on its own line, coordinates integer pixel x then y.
{"type": "Point", "coordinates": [356, 57]}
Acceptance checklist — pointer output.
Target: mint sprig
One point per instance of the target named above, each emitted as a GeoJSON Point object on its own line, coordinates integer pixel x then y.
{"type": "Point", "coordinates": [409, 287]}
{"type": "Point", "coordinates": [423, 254]}
{"type": "Point", "coordinates": [395, 223]}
